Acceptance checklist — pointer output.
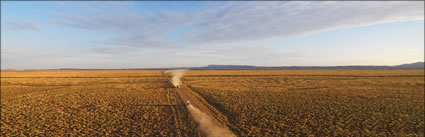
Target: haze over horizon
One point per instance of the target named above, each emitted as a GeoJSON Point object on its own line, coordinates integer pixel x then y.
{"type": "Point", "coordinates": [64, 34]}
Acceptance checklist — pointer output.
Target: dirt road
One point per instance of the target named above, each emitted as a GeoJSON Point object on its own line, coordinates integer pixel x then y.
{"type": "Point", "coordinates": [206, 119]}
{"type": "Point", "coordinates": [186, 95]}
{"type": "Point", "coordinates": [210, 126]}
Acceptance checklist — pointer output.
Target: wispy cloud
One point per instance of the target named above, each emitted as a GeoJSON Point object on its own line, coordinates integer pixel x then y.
{"type": "Point", "coordinates": [259, 20]}
{"type": "Point", "coordinates": [236, 21]}
{"type": "Point", "coordinates": [131, 29]}
{"type": "Point", "coordinates": [23, 26]}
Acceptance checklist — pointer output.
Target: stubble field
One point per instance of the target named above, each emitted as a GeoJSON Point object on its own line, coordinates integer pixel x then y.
{"type": "Point", "coordinates": [252, 102]}
{"type": "Point", "coordinates": [94, 103]}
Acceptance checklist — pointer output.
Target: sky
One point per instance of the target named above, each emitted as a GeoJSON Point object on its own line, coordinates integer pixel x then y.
{"type": "Point", "coordinates": [141, 34]}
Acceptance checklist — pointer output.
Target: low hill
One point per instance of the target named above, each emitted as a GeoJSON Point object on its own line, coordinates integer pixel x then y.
{"type": "Point", "coordinates": [416, 65]}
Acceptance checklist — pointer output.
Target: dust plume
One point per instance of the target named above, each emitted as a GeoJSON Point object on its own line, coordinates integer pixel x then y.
{"type": "Point", "coordinates": [206, 124]}
{"type": "Point", "coordinates": [176, 76]}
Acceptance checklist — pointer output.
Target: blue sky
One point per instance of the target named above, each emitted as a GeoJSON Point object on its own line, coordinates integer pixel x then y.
{"type": "Point", "coordinates": [49, 35]}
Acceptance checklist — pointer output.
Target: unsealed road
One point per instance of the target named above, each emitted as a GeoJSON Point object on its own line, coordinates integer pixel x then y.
{"type": "Point", "coordinates": [185, 95]}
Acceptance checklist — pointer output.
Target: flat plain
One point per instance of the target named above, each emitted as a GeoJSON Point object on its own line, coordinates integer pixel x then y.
{"type": "Point", "coordinates": [250, 102]}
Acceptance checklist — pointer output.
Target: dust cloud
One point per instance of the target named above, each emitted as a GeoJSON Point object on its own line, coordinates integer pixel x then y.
{"type": "Point", "coordinates": [206, 124]}
{"type": "Point", "coordinates": [176, 76]}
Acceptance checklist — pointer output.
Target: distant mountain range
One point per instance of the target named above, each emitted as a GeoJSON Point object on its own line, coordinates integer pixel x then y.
{"type": "Point", "coordinates": [416, 65]}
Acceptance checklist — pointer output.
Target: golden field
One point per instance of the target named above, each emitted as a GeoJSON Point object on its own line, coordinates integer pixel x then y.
{"type": "Point", "coordinates": [254, 102]}
{"type": "Point", "coordinates": [316, 102]}
{"type": "Point", "coordinates": [91, 103]}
